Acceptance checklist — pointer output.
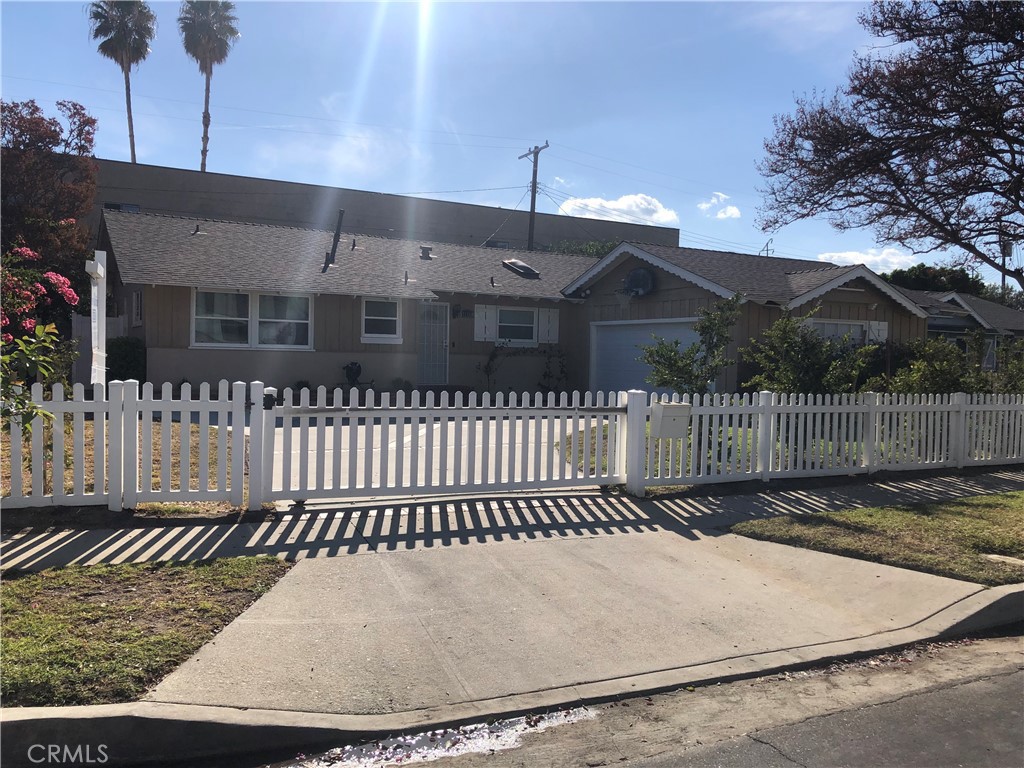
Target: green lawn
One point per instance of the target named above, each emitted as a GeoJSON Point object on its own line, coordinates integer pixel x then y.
{"type": "Point", "coordinates": [947, 539]}
{"type": "Point", "coordinates": [106, 633]}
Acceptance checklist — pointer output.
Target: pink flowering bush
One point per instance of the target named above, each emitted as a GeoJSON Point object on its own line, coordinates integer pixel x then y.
{"type": "Point", "coordinates": [29, 346]}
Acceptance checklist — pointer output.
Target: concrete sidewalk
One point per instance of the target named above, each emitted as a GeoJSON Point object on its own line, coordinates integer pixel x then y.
{"type": "Point", "coordinates": [393, 621]}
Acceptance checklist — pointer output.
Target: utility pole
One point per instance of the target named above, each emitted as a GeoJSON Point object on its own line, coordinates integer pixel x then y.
{"type": "Point", "coordinates": [533, 189]}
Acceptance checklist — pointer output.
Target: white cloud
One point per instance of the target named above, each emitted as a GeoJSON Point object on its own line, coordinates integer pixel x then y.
{"type": "Point", "coordinates": [717, 198]}
{"type": "Point", "coordinates": [560, 182]}
{"type": "Point", "coordinates": [627, 208]}
{"type": "Point", "coordinates": [713, 206]}
{"type": "Point", "coordinates": [884, 260]}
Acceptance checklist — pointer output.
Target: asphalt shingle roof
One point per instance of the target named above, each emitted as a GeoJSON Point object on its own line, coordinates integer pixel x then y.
{"type": "Point", "coordinates": [1005, 319]}
{"type": "Point", "coordinates": [758, 278]}
{"type": "Point", "coordinates": [1002, 318]}
{"type": "Point", "coordinates": [162, 250]}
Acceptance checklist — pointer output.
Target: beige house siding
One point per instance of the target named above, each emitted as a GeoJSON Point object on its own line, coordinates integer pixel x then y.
{"type": "Point", "coordinates": [337, 325]}
{"type": "Point", "coordinates": [674, 297]}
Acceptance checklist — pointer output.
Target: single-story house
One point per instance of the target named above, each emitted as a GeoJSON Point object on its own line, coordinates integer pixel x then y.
{"type": "Point", "coordinates": [242, 301]}
{"type": "Point", "coordinates": [953, 315]}
{"type": "Point", "coordinates": [641, 290]}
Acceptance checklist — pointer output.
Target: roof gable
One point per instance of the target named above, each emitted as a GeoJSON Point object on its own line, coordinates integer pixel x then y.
{"type": "Point", "coordinates": [761, 279]}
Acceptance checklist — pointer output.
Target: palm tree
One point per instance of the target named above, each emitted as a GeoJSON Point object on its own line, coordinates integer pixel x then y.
{"type": "Point", "coordinates": [125, 29]}
{"type": "Point", "coordinates": [207, 31]}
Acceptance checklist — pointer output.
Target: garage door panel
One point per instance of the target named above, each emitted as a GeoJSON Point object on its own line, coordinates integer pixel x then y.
{"type": "Point", "coordinates": [617, 347]}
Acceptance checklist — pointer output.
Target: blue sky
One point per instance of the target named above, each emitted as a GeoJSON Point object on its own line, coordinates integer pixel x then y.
{"type": "Point", "coordinates": [654, 112]}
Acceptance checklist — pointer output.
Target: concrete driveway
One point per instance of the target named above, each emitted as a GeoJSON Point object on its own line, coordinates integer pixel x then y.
{"type": "Point", "coordinates": [561, 609]}
{"type": "Point", "coordinates": [390, 454]}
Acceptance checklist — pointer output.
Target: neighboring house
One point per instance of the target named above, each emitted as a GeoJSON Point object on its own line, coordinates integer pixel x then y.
{"type": "Point", "coordinates": [157, 189]}
{"type": "Point", "coordinates": [242, 301]}
{"type": "Point", "coordinates": [954, 316]}
{"type": "Point", "coordinates": [639, 291]}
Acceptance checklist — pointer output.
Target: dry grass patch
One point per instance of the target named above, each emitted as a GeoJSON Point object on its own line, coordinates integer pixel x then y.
{"type": "Point", "coordinates": [106, 633]}
{"type": "Point", "coordinates": [164, 451]}
{"type": "Point", "coordinates": [947, 539]}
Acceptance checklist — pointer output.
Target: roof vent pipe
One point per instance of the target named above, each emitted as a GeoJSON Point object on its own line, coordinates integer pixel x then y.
{"type": "Point", "coordinates": [337, 236]}
{"type": "Point", "coordinates": [425, 252]}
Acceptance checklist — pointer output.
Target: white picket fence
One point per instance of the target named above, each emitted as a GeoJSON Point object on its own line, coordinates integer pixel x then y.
{"type": "Point", "coordinates": [137, 444]}
{"type": "Point", "coordinates": [766, 435]}
{"type": "Point", "coordinates": [399, 446]}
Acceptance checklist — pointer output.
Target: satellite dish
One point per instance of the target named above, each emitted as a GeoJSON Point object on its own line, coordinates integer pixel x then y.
{"type": "Point", "coordinates": [640, 281]}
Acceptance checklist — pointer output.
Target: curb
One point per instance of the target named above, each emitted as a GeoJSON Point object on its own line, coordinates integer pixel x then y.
{"type": "Point", "coordinates": [150, 732]}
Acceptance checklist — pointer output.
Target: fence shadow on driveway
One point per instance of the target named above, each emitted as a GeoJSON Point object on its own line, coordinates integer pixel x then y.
{"type": "Point", "coordinates": [403, 525]}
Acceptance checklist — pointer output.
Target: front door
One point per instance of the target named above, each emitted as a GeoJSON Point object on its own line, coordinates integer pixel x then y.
{"type": "Point", "coordinates": [432, 343]}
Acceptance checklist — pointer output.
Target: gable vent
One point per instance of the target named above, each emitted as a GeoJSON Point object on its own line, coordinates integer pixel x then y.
{"type": "Point", "coordinates": [521, 268]}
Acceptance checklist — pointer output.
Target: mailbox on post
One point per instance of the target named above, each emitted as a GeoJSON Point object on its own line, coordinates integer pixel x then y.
{"type": "Point", "coordinates": [670, 420]}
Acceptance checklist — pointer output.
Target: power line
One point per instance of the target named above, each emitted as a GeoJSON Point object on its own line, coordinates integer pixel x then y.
{"type": "Point", "coordinates": [585, 231]}
{"type": "Point", "coordinates": [702, 239]}
{"type": "Point", "coordinates": [514, 209]}
{"type": "Point", "coordinates": [283, 129]}
{"type": "Point", "coordinates": [632, 165]}
{"type": "Point", "coordinates": [262, 111]}
{"type": "Point", "coordinates": [458, 191]}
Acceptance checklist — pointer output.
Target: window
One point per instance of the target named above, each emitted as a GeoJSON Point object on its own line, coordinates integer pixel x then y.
{"type": "Point", "coordinates": [252, 320]}
{"type": "Point", "coordinates": [837, 329]}
{"type": "Point", "coordinates": [382, 322]}
{"type": "Point", "coordinates": [222, 318]}
{"type": "Point", "coordinates": [517, 326]}
{"type": "Point", "coordinates": [283, 321]}
{"type": "Point", "coordinates": [136, 309]}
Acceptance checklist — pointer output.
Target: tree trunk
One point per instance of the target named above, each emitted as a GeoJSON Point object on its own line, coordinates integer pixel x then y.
{"type": "Point", "coordinates": [206, 124]}
{"type": "Point", "coordinates": [128, 106]}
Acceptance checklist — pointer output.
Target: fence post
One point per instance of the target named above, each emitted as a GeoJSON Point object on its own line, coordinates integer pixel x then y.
{"type": "Point", "coordinates": [872, 430]}
{"type": "Point", "coordinates": [115, 453]}
{"type": "Point", "coordinates": [621, 400]}
{"type": "Point", "coordinates": [256, 424]}
{"type": "Point", "coordinates": [958, 435]}
{"type": "Point", "coordinates": [765, 428]}
{"type": "Point", "coordinates": [238, 411]}
{"type": "Point", "coordinates": [130, 445]}
{"type": "Point", "coordinates": [635, 439]}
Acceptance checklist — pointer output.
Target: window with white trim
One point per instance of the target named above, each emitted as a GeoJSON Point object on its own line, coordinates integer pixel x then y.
{"type": "Point", "coordinates": [382, 321]}
{"type": "Point", "coordinates": [854, 330]}
{"type": "Point", "coordinates": [283, 321]}
{"type": "Point", "coordinates": [517, 326]}
{"type": "Point", "coordinates": [264, 320]}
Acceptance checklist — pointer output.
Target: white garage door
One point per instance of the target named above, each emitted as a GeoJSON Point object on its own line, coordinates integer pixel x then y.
{"type": "Point", "coordinates": [615, 349]}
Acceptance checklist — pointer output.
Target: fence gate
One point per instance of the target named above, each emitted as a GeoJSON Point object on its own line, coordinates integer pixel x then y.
{"type": "Point", "coordinates": [358, 444]}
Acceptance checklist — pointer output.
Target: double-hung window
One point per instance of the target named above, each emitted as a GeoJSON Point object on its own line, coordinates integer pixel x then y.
{"type": "Point", "coordinates": [517, 326]}
{"type": "Point", "coordinates": [252, 320]}
{"type": "Point", "coordinates": [382, 322]}
{"type": "Point", "coordinates": [222, 318]}
{"type": "Point", "coordinates": [283, 321]}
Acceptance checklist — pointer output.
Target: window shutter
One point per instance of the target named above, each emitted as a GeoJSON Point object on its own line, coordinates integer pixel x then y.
{"type": "Point", "coordinates": [547, 325]}
{"type": "Point", "coordinates": [878, 330]}
{"type": "Point", "coordinates": [485, 322]}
